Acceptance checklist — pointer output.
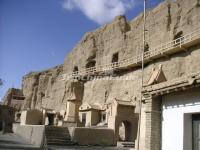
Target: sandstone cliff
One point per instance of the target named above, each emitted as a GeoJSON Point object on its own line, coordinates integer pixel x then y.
{"type": "Point", "coordinates": [117, 41]}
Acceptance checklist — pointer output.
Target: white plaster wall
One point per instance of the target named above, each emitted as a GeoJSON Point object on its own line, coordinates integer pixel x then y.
{"type": "Point", "coordinates": [32, 133]}
{"type": "Point", "coordinates": [142, 129]}
{"type": "Point", "coordinates": [177, 109]}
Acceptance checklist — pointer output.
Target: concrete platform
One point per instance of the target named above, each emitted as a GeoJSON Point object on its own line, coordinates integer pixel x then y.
{"type": "Point", "coordinates": [12, 141]}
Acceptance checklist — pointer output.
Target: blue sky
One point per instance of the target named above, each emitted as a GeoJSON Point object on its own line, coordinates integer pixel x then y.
{"type": "Point", "coordinates": [38, 34]}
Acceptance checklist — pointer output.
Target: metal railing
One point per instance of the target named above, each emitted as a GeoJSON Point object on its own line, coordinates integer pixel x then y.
{"type": "Point", "coordinates": [136, 60]}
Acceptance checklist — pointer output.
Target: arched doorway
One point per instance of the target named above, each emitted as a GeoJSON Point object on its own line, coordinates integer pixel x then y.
{"type": "Point", "coordinates": [125, 131]}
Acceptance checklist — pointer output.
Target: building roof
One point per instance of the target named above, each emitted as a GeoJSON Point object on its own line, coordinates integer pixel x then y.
{"type": "Point", "coordinates": [157, 76]}
{"type": "Point", "coordinates": [86, 106]}
{"type": "Point", "coordinates": [124, 103]}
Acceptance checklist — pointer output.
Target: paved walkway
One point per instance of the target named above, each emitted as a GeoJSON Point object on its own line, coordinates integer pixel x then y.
{"type": "Point", "coordinates": [87, 148]}
{"type": "Point", "coordinates": [12, 141]}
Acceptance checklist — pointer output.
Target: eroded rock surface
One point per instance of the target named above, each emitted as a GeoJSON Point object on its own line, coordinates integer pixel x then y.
{"type": "Point", "coordinates": [121, 39]}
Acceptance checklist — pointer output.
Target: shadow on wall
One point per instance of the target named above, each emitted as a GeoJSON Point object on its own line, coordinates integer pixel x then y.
{"type": "Point", "coordinates": [6, 119]}
{"type": "Point", "coordinates": [92, 136]}
{"type": "Point", "coordinates": [31, 117]}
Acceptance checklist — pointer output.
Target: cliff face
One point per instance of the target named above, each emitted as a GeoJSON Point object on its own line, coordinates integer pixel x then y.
{"type": "Point", "coordinates": [37, 86]}
{"type": "Point", "coordinates": [118, 40]}
{"type": "Point", "coordinates": [163, 23]}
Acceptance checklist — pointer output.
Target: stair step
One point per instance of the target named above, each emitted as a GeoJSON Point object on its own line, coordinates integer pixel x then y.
{"type": "Point", "coordinates": [56, 133]}
{"type": "Point", "coordinates": [128, 144]}
{"type": "Point", "coordinates": [58, 140]}
{"type": "Point", "coordinates": [58, 136]}
{"type": "Point", "coordinates": [62, 144]}
{"type": "Point", "coordinates": [56, 128]}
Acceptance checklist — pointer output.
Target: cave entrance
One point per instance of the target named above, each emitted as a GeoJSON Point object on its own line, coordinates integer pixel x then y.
{"type": "Point", "coordinates": [90, 64]}
{"type": "Point", "coordinates": [178, 38]}
{"type": "Point", "coordinates": [146, 47]}
{"type": "Point", "coordinates": [115, 57]}
{"type": "Point", "coordinates": [75, 70]}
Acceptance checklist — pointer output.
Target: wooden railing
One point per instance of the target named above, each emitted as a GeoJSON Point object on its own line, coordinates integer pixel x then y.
{"type": "Point", "coordinates": [164, 49]}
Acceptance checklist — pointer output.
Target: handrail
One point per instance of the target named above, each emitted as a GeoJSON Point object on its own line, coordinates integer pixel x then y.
{"type": "Point", "coordinates": [161, 49]}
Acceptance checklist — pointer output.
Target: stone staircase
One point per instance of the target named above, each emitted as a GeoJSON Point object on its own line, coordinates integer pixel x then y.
{"type": "Point", "coordinates": [58, 136]}
{"type": "Point", "coordinates": [128, 144]}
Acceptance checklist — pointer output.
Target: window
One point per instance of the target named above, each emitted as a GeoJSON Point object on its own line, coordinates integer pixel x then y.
{"type": "Point", "coordinates": [115, 57]}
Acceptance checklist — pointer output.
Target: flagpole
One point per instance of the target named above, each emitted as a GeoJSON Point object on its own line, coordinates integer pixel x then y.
{"type": "Point", "coordinates": [142, 75]}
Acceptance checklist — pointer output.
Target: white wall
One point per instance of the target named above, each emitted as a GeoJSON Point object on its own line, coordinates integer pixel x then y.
{"type": "Point", "coordinates": [177, 109]}
{"type": "Point", "coordinates": [32, 133]}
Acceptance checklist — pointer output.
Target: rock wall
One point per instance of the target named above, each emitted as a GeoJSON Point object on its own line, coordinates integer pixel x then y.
{"type": "Point", "coordinates": [37, 86]}
{"type": "Point", "coordinates": [164, 23]}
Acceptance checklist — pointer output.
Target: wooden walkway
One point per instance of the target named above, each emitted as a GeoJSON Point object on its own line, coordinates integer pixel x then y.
{"type": "Point", "coordinates": [180, 44]}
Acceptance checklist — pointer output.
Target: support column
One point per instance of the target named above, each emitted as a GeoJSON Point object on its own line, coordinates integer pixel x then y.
{"type": "Point", "coordinates": [142, 129]}
{"type": "Point", "coordinates": [71, 112]}
{"type": "Point", "coordinates": [153, 123]}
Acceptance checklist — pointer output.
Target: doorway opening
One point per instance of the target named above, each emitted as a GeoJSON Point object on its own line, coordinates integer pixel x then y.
{"type": "Point", "coordinates": [75, 70]}
{"type": "Point", "coordinates": [115, 57]}
{"type": "Point", "coordinates": [83, 118]}
{"type": "Point", "coordinates": [178, 38]}
{"type": "Point", "coordinates": [90, 64]}
{"type": "Point", "coordinates": [51, 119]}
{"type": "Point", "coordinates": [125, 131]}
